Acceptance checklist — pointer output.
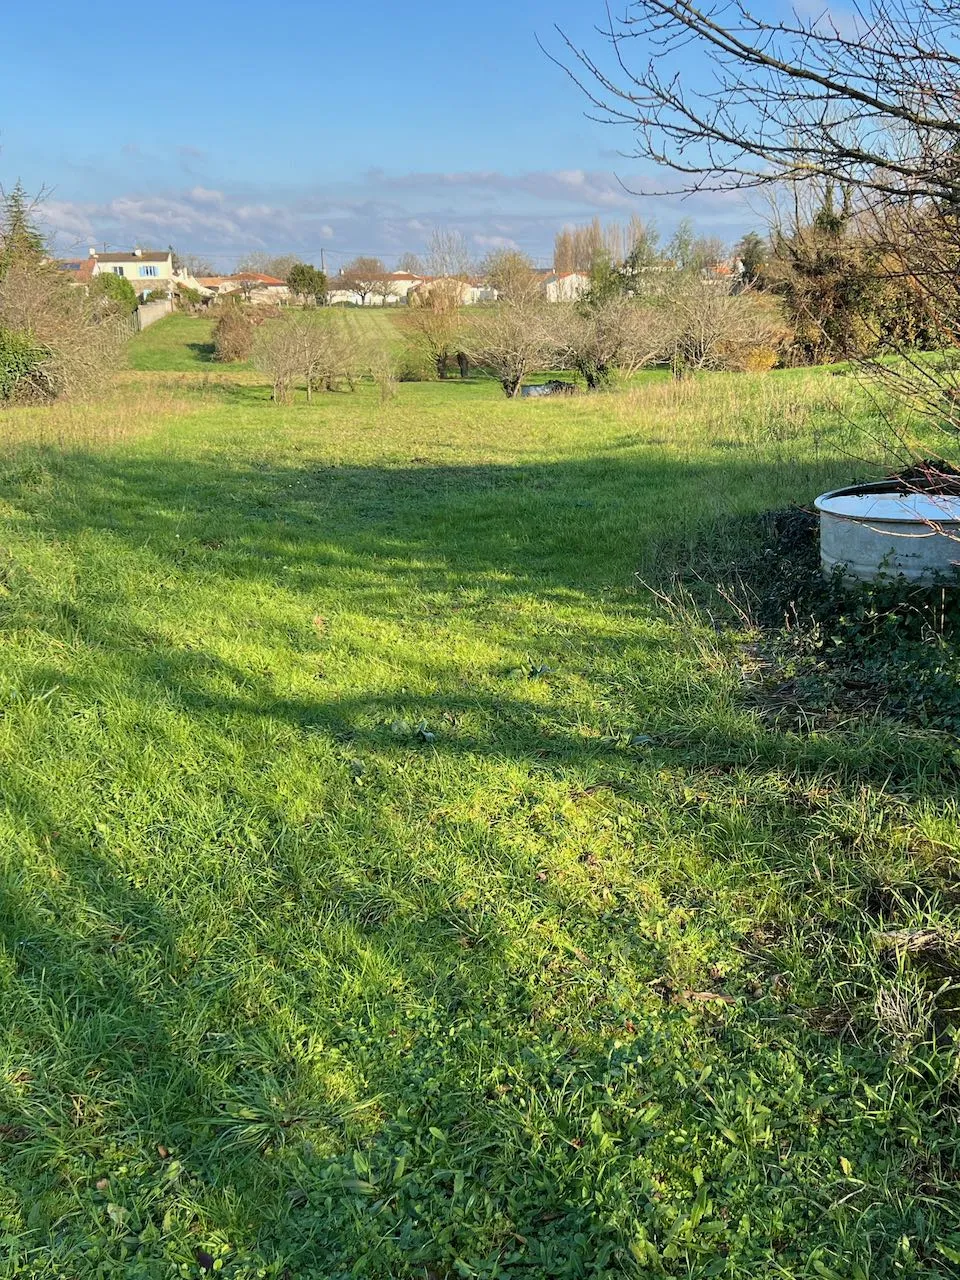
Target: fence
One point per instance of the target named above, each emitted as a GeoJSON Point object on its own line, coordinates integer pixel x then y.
{"type": "Point", "coordinates": [148, 312]}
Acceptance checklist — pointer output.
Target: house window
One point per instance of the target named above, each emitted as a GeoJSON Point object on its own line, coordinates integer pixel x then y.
{"type": "Point", "coordinates": [118, 271]}
{"type": "Point", "coordinates": [148, 271]}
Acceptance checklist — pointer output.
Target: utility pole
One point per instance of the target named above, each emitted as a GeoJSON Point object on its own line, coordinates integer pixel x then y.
{"type": "Point", "coordinates": [323, 266]}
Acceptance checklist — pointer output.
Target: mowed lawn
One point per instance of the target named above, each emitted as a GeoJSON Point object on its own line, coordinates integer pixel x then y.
{"type": "Point", "coordinates": [393, 886]}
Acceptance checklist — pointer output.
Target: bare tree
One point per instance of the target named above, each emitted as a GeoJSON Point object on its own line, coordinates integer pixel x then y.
{"type": "Point", "coordinates": [517, 335]}
{"type": "Point", "coordinates": [411, 263]}
{"type": "Point", "coordinates": [383, 288]}
{"type": "Point", "coordinates": [192, 264]}
{"type": "Point", "coordinates": [863, 105]}
{"type": "Point", "coordinates": [320, 351]}
{"type": "Point", "coordinates": [514, 276]}
{"type": "Point", "coordinates": [449, 255]}
{"type": "Point", "coordinates": [871, 104]}
{"type": "Point", "coordinates": [277, 265]}
{"type": "Point", "coordinates": [706, 324]}
{"type": "Point", "coordinates": [360, 276]}
{"type": "Point", "coordinates": [433, 321]}
{"type": "Point", "coordinates": [510, 341]}
{"type": "Point", "coordinates": [619, 335]}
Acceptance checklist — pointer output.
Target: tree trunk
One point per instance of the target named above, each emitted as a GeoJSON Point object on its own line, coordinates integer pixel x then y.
{"type": "Point", "coordinates": [442, 365]}
{"type": "Point", "coordinates": [464, 363]}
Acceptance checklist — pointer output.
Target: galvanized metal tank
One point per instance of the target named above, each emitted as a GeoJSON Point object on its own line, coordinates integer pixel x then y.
{"type": "Point", "coordinates": [889, 530]}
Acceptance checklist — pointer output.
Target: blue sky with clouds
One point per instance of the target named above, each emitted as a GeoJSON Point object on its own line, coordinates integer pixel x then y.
{"type": "Point", "coordinates": [227, 128]}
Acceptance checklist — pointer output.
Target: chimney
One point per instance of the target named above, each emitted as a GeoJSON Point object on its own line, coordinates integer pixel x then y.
{"type": "Point", "coordinates": [92, 252]}
{"type": "Point", "coordinates": [138, 253]}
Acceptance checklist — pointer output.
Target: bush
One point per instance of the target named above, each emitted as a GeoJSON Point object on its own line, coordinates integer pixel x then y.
{"type": "Point", "coordinates": [113, 293]}
{"type": "Point", "coordinates": [77, 342]}
{"type": "Point", "coordinates": [21, 366]}
{"type": "Point", "coordinates": [233, 334]}
{"type": "Point", "coordinates": [760, 359]}
{"type": "Point", "coordinates": [711, 327]}
{"type": "Point", "coordinates": [415, 364]}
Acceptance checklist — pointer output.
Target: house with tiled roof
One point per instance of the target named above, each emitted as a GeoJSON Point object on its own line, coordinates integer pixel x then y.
{"type": "Point", "coordinates": [149, 271]}
{"type": "Point", "coordinates": [253, 285]}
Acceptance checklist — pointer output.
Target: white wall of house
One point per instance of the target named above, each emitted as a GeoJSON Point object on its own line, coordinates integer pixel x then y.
{"type": "Point", "coordinates": [566, 288]}
{"type": "Point", "coordinates": [144, 276]}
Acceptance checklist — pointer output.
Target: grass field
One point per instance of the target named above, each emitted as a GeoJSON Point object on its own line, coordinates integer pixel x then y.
{"type": "Point", "coordinates": [184, 343]}
{"type": "Point", "coordinates": [392, 886]}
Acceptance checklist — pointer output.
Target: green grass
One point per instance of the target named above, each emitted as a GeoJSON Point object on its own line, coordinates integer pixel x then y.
{"type": "Point", "coordinates": [370, 838]}
{"type": "Point", "coordinates": [184, 344]}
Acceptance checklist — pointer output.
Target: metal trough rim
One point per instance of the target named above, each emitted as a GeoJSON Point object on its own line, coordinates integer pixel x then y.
{"type": "Point", "coordinates": [891, 486]}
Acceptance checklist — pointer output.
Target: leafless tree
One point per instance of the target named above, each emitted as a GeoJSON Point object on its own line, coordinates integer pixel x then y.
{"type": "Point", "coordinates": [383, 288]}
{"type": "Point", "coordinates": [580, 248]}
{"type": "Point", "coordinates": [619, 335]}
{"type": "Point", "coordinates": [318, 350]}
{"type": "Point", "coordinates": [360, 276]}
{"type": "Point", "coordinates": [514, 277]}
{"type": "Point", "coordinates": [194, 264]}
{"type": "Point", "coordinates": [706, 325]}
{"type": "Point", "coordinates": [277, 265]}
{"type": "Point", "coordinates": [870, 101]}
{"type": "Point", "coordinates": [866, 101]}
{"type": "Point", "coordinates": [519, 333]}
{"type": "Point", "coordinates": [411, 263]}
{"type": "Point", "coordinates": [510, 341]}
{"type": "Point", "coordinates": [448, 255]}
{"type": "Point", "coordinates": [433, 320]}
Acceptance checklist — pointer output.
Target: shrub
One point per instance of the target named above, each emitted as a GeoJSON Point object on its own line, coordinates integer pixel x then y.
{"type": "Point", "coordinates": [322, 354]}
{"type": "Point", "coordinates": [233, 334]}
{"type": "Point", "coordinates": [188, 297]}
{"type": "Point", "coordinates": [78, 342]}
{"type": "Point", "coordinates": [21, 366]}
{"type": "Point", "coordinates": [415, 364]}
{"type": "Point", "coordinates": [711, 327]}
{"type": "Point", "coordinates": [113, 293]}
{"type": "Point", "coordinates": [760, 359]}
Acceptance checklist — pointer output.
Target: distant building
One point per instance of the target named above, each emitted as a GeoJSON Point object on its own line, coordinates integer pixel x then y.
{"type": "Point", "coordinates": [149, 271]}
{"type": "Point", "coordinates": [469, 291]}
{"type": "Point", "coordinates": [568, 286]}
{"type": "Point", "coordinates": [252, 285]}
{"type": "Point", "coordinates": [386, 289]}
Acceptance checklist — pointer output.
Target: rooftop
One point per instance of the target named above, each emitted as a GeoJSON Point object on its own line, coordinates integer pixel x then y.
{"type": "Point", "coordinates": [145, 255]}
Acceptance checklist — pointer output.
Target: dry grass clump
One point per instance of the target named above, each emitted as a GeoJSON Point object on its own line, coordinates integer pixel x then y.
{"type": "Point", "coordinates": [125, 411]}
{"type": "Point", "coordinates": [754, 410]}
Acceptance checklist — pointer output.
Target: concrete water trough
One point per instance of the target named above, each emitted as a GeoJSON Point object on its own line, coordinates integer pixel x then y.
{"type": "Point", "coordinates": [890, 529]}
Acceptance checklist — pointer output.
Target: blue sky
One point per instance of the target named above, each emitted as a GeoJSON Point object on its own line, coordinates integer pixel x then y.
{"type": "Point", "coordinates": [227, 128]}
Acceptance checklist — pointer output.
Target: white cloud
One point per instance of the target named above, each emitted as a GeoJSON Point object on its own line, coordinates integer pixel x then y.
{"type": "Point", "coordinates": [385, 215]}
{"type": "Point", "coordinates": [494, 242]}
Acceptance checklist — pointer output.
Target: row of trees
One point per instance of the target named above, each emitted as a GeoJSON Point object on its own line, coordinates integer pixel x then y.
{"type": "Point", "coordinates": [682, 318]}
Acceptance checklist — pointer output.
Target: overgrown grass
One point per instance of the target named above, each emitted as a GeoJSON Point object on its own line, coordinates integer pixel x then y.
{"type": "Point", "coordinates": [393, 887]}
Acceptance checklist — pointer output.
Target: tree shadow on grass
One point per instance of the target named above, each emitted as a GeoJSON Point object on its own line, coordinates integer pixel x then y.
{"type": "Point", "coordinates": [204, 352]}
{"type": "Point", "coordinates": [313, 1002]}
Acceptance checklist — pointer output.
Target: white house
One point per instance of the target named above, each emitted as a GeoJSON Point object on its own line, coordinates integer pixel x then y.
{"type": "Point", "coordinates": [566, 287]}
{"type": "Point", "coordinates": [147, 270]}
{"type": "Point", "coordinates": [391, 287]}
